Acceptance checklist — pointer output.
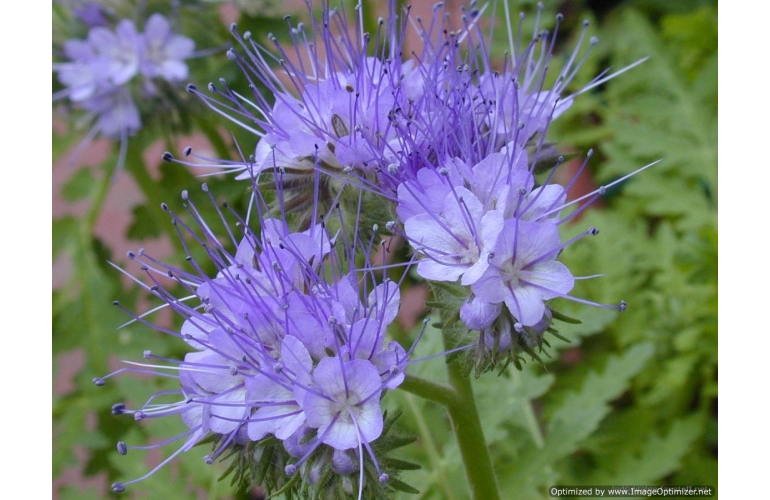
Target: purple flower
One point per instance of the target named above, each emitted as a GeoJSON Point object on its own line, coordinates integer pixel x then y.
{"type": "Point", "coordinates": [100, 73]}
{"type": "Point", "coordinates": [345, 402]}
{"type": "Point", "coordinates": [163, 52]}
{"type": "Point", "coordinates": [82, 74]}
{"type": "Point", "coordinates": [457, 240]}
{"type": "Point", "coordinates": [275, 393]}
{"type": "Point", "coordinates": [523, 271]}
{"type": "Point", "coordinates": [115, 112]}
{"type": "Point", "coordinates": [91, 13]}
{"type": "Point", "coordinates": [346, 111]}
{"type": "Point", "coordinates": [289, 339]}
{"type": "Point", "coordinates": [117, 52]}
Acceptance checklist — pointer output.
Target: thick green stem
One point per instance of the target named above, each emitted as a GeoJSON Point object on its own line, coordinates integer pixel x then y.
{"type": "Point", "coordinates": [470, 435]}
{"type": "Point", "coordinates": [461, 406]}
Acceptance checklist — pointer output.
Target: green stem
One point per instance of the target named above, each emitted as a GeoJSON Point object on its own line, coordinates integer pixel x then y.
{"type": "Point", "coordinates": [427, 389]}
{"type": "Point", "coordinates": [85, 261]}
{"type": "Point", "coordinates": [89, 221]}
{"type": "Point", "coordinates": [470, 435]}
{"type": "Point", "coordinates": [461, 406]}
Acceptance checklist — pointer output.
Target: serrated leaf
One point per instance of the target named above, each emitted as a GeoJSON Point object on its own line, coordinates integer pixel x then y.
{"type": "Point", "coordinates": [512, 396]}
{"type": "Point", "coordinates": [662, 116]}
{"type": "Point", "coordinates": [672, 377]}
{"type": "Point", "coordinates": [578, 415]}
{"type": "Point", "coordinates": [659, 457]}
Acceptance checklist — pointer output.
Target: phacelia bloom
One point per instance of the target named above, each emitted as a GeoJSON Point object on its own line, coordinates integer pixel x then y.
{"type": "Point", "coordinates": [452, 135]}
{"type": "Point", "coordinates": [342, 103]}
{"type": "Point", "coordinates": [477, 202]}
{"type": "Point", "coordinates": [109, 71]}
{"type": "Point", "coordinates": [288, 341]}
{"type": "Point", "coordinates": [289, 358]}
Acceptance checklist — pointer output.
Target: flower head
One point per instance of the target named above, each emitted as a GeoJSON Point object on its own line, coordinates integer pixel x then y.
{"type": "Point", "coordinates": [100, 72]}
{"type": "Point", "coordinates": [289, 339]}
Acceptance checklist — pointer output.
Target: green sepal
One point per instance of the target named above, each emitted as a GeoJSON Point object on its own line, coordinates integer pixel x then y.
{"type": "Point", "coordinates": [395, 442]}
{"type": "Point", "coordinates": [453, 288]}
{"type": "Point", "coordinates": [436, 304]}
{"type": "Point", "coordinates": [564, 318]}
{"type": "Point", "coordinates": [399, 485]}
{"type": "Point", "coordinates": [556, 334]}
{"type": "Point", "coordinates": [398, 464]}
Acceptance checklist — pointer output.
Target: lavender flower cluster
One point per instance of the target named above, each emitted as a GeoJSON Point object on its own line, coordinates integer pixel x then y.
{"type": "Point", "coordinates": [284, 346]}
{"type": "Point", "coordinates": [445, 149]}
{"type": "Point", "coordinates": [99, 70]}
{"type": "Point", "coordinates": [446, 137]}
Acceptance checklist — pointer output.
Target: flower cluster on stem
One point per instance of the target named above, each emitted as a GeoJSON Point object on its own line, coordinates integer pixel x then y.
{"type": "Point", "coordinates": [444, 147]}
{"type": "Point", "coordinates": [287, 342]}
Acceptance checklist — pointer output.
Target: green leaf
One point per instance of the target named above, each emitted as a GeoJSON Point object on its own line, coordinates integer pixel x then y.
{"type": "Point", "coordinates": [672, 378]}
{"type": "Point", "coordinates": [657, 112]}
{"type": "Point", "coordinates": [577, 416]}
{"type": "Point", "coordinates": [580, 412]}
{"type": "Point", "coordinates": [659, 457]}
{"type": "Point", "coordinates": [79, 185]}
{"type": "Point", "coordinates": [512, 394]}
{"type": "Point", "coordinates": [143, 224]}
{"type": "Point", "coordinates": [63, 231]}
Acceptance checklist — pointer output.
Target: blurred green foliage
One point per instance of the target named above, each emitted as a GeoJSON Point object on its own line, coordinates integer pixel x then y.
{"type": "Point", "coordinates": [631, 400]}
